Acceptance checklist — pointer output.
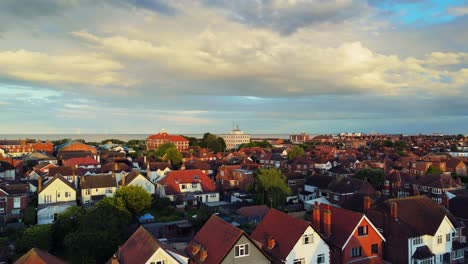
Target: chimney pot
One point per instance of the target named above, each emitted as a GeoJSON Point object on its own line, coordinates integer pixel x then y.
{"type": "Point", "coordinates": [367, 203]}
{"type": "Point", "coordinates": [203, 254]}
{"type": "Point", "coordinates": [271, 243]}
{"type": "Point", "coordinates": [327, 222]}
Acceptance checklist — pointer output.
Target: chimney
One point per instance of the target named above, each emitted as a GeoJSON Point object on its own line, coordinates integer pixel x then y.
{"type": "Point", "coordinates": [39, 184]}
{"type": "Point", "coordinates": [327, 222]}
{"type": "Point", "coordinates": [203, 254]}
{"type": "Point", "coordinates": [123, 178]}
{"type": "Point", "coordinates": [115, 260]}
{"type": "Point", "coordinates": [394, 210]}
{"type": "Point", "coordinates": [195, 248]}
{"type": "Point", "coordinates": [271, 242]}
{"type": "Point", "coordinates": [316, 216]}
{"type": "Point", "coordinates": [446, 201]}
{"type": "Point", "coordinates": [367, 203]}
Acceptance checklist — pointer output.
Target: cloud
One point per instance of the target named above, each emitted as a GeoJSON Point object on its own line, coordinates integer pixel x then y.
{"type": "Point", "coordinates": [458, 10]}
{"type": "Point", "coordinates": [91, 69]}
{"type": "Point", "coordinates": [288, 16]}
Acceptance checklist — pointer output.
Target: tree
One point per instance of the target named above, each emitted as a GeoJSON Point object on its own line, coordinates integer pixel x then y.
{"type": "Point", "coordinates": [262, 144]}
{"type": "Point", "coordinates": [400, 145]}
{"type": "Point", "coordinates": [388, 143]}
{"type": "Point", "coordinates": [162, 150]}
{"type": "Point", "coordinates": [134, 198]}
{"type": "Point", "coordinates": [295, 151]}
{"type": "Point", "coordinates": [432, 170]}
{"type": "Point", "coordinates": [174, 156]}
{"type": "Point", "coordinates": [271, 188]}
{"type": "Point", "coordinates": [375, 177]}
{"type": "Point", "coordinates": [35, 236]}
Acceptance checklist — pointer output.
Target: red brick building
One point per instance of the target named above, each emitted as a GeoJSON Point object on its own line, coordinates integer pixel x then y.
{"type": "Point", "coordinates": [13, 201]}
{"type": "Point", "coordinates": [352, 235]}
{"type": "Point", "coordinates": [23, 147]}
{"type": "Point", "coordinates": [156, 140]}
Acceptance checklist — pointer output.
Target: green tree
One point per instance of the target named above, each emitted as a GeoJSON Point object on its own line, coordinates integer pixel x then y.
{"type": "Point", "coordinates": [271, 188]}
{"type": "Point", "coordinates": [400, 145]}
{"type": "Point", "coordinates": [134, 198]}
{"type": "Point", "coordinates": [375, 177]}
{"type": "Point", "coordinates": [38, 236]}
{"type": "Point", "coordinates": [295, 151]}
{"type": "Point", "coordinates": [432, 170]}
{"type": "Point", "coordinates": [162, 150]}
{"type": "Point", "coordinates": [388, 143]}
{"type": "Point", "coordinates": [173, 155]}
{"type": "Point", "coordinates": [262, 144]}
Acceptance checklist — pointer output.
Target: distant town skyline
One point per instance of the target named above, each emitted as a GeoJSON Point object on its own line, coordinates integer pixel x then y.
{"type": "Point", "coordinates": [272, 66]}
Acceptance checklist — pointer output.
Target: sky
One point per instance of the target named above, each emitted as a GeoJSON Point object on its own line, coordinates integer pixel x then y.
{"type": "Point", "coordinates": [270, 66]}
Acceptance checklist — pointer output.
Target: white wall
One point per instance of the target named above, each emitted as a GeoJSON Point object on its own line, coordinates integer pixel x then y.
{"type": "Point", "coordinates": [309, 251]}
{"type": "Point", "coordinates": [189, 187]}
{"type": "Point", "coordinates": [46, 215]}
{"type": "Point", "coordinates": [56, 191]}
{"type": "Point", "coordinates": [161, 255]}
{"type": "Point", "coordinates": [140, 180]}
{"type": "Point", "coordinates": [86, 198]}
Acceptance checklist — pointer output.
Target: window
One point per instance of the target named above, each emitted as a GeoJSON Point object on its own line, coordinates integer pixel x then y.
{"type": "Point", "coordinates": [2, 210]}
{"type": "Point", "coordinates": [375, 248]}
{"type": "Point", "coordinates": [2, 199]}
{"type": "Point", "coordinates": [17, 202]}
{"type": "Point", "coordinates": [97, 190]}
{"type": "Point", "coordinates": [336, 197]}
{"type": "Point", "coordinates": [194, 185]}
{"type": "Point", "coordinates": [439, 239]}
{"type": "Point", "coordinates": [67, 194]}
{"type": "Point", "coordinates": [109, 190]}
{"type": "Point", "coordinates": [307, 239]}
{"type": "Point", "coordinates": [88, 192]}
{"type": "Point", "coordinates": [321, 258]}
{"type": "Point", "coordinates": [15, 211]}
{"type": "Point", "coordinates": [291, 182]}
{"type": "Point", "coordinates": [299, 261]}
{"type": "Point", "coordinates": [356, 252]}
{"type": "Point", "coordinates": [427, 261]}
{"type": "Point", "coordinates": [448, 237]}
{"type": "Point", "coordinates": [362, 231]}
{"type": "Point", "coordinates": [454, 234]}
{"type": "Point", "coordinates": [241, 250]}
{"type": "Point", "coordinates": [213, 195]}
{"type": "Point", "coordinates": [417, 241]}
{"type": "Point", "coordinates": [184, 186]}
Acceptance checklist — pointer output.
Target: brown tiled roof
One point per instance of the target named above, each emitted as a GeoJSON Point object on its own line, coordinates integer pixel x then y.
{"type": "Point", "coordinates": [217, 237]}
{"type": "Point", "coordinates": [458, 207]}
{"type": "Point", "coordinates": [285, 229]}
{"type": "Point", "coordinates": [350, 185]}
{"type": "Point", "coordinates": [16, 189]}
{"type": "Point", "coordinates": [197, 164]}
{"type": "Point", "coordinates": [140, 247]}
{"type": "Point", "coordinates": [62, 170]}
{"type": "Point", "coordinates": [97, 181]}
{"type": "Point", "coordinates": [110, 166]}
{"type": "Point", "coordinates": [37, 256]}
{"type": "Point", "coordinates": [154, 166]}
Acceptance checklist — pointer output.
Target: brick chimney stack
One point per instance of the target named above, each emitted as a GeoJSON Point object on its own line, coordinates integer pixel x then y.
{"type": "Point", "coordinates": [394, 210]}
{"type": "Point", "coordinates": [327, 221]}
{"type": "Point", "coordinates": [446, 201]}
{"type": "Point", "coordinates": [367, 203]}
{"type": "Point", "coordinates": [316, 216]}
{"type": "Point", "coordinates": [271, 242]}
{"type": "Point", "coordinates": [39, 184]}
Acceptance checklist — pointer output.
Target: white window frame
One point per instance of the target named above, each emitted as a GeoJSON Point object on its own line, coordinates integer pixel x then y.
{"type": "Point", "coordinates": [241, 250]}
{"type": "Point", "coordinates": [17, 202]}
{"type": "Point", "coordinates": [321, 258]}
{"type": "Point", "coordinates": [307, 239]}
{"type": "Point", "coordinates": [299, 261]}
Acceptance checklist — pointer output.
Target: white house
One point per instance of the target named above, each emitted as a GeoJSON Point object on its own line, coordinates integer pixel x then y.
{"type": "Point", "coordinates": [55, 197]}
{"type": "Point", "coordinates": [134, 178]}
{"type": "Point", "coordinates": [188, 187]}
{"type": "Point", "coordinates": [323, 166]}
{"type": "Point", "coordinates": [291, 240]}
{"type": "Point", "coordinates": [156, 171]}
{"type": "Point", "coordinates": [96, 187]}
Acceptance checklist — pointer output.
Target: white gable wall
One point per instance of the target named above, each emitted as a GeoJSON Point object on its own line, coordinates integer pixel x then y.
{"type": "Point", "coordinates": [141, 181]}
{"type": "Point", "coordinates": [55, 192]}
{"type": "Point", "coordinates": [310, 251]}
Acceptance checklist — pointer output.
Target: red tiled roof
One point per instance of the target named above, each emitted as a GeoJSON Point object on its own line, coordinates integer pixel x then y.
{"type": "Point", "coordinates": [80, 161]}
{"type": "Point", "coordinates": [251, 211]}
{"type": "Point", "coordinates": [37, 256]}
{"type": "Point", "coordinates": [174, 178]}
{"type": "Point", "coordinates": [139, 248]}
{"type": "Point", "coordinates": [343, 223]}
{"type": "Point", "coordinates": [286, 231]}
{"type": "Point", "coordinates": [166, 136]}
{"type": "Point", "coordinates": [217, 237]}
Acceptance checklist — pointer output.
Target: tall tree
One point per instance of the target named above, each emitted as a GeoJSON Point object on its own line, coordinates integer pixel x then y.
{"type": "Point", "coordinates": [295, 151]}
{"type": "Point", "coordinates": [173, 155]}
{"type": "Point", "coordinates": [375, 177]}
{"type": "Point", "coordinates": [135, 199]}
{"type": "Point", "coordinates": [271, 188]}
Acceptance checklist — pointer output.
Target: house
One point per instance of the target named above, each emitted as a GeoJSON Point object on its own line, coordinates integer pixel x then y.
{"type": "Point", "coordinates": [457, 166]}
{"type": "Point", "coordinates": [188, 187]}
{"type": "Point", "coordinates": [313, 185]}
{"type": "Point", "coordinates": [194, 164]}
{"type": "Point", "coordinates": [141, 247]}
{"type": "Point", "coordinates": [95, 187]}
{"type": "Point", "coordinates": [75, 146]}
{"type": "Point", "coordinates": [69, 173]}
{"type": "Point", "coordinates": [134, 178]}
{"type": "Point", "coordinates": [342, 188]}
{"type": "Point", "coordinates": [7, 171]}
{"type": "Point", "coordinates": [35, 158]}
{"type": "Point", "coordinates": [82, 162]}
{"type": "Point", "coordinates": [13, 201]}
{"type": "Point", "coordinates": [21, 147]}
{"type": "Point", "coordinates": [352, 235]}
{"type": "Point", "coordinates": [290, 240]}
{"type": "Point", "coordinates": [234, 177]}
{"type": "Point", "coordinates": [220, 242]}
{"type": "Point", "coordinates": [253, 214]}
{"type": "Point", "coordinates": [56, 196]}
{"type": "Point", "coordinates": [418, 230]}
{"type": "Point", "coordinates": [156, 140]}
{"type": "Point", "coordinates": [296, 182]}
{"type": "Point", "coordinates": [44, 167]}
{"type": "Point", "coordinates": [37, 256]}
{"type": "Point", "coordinates": [157, 170]}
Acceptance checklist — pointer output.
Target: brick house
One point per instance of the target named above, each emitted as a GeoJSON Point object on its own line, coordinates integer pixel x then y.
{"type": "Point", "coordinates": [156, 140]}
{"type": "Point", "coordinates": [352, 235]}
{"type": "Point", "coordinates": [13, 201]}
